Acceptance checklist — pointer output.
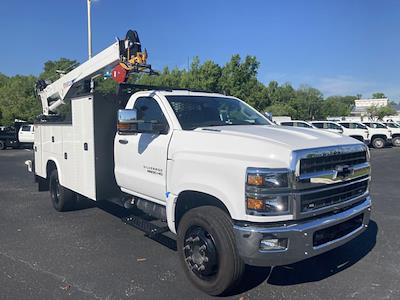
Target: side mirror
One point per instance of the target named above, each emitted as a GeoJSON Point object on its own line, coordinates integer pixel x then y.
{"type": "Point", "coordinates": [128, 123]}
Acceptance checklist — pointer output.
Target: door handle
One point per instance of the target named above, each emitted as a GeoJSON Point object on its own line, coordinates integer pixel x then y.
{"type": "Point", "coordinates": [124, 142]}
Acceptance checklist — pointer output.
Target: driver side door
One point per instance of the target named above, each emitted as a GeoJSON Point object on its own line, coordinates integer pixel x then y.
{"type": "Point", "coordinates": [141, 158]}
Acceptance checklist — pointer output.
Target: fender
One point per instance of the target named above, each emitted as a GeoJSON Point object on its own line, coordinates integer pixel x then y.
{"type": "Point", "coordinates": [60, 174]}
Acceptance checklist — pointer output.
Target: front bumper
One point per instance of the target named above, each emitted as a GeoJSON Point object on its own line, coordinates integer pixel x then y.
{"type": "Point", "coordinates": [300, 237]}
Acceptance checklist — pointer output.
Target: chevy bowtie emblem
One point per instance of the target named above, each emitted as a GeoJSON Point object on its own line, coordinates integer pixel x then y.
{"type": "Point", "coordinates": [343, 171]}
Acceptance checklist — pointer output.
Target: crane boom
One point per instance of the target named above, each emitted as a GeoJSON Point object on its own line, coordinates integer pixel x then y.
{"type": "Point", "coordinates": [124, 55]}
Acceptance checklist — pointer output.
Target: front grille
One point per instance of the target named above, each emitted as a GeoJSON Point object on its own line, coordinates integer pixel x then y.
{"type": "Point", "coordinates": [329, 162]}
{"type": "Point", "coordinates": [338, 231]}
{"type": "Point", "coordinates": [319, 199]}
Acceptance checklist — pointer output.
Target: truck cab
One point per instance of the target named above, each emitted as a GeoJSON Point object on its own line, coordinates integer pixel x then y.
{"type": "Point", "coordinates": [328, 126]}
{"type": "Point", "coordinates": [380, 134]}
{"type": "Point", "coordinates": [356, 130]}
{"type": "Point", "coordinates": [26, 134]}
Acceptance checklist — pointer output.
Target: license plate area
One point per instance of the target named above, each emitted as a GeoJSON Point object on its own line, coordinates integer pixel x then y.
{"type": "Point", "coordinates": [337, 231]}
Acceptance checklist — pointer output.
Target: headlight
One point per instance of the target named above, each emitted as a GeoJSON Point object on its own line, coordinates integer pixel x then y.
{"type": "Point", "coordinates": [267, 191]}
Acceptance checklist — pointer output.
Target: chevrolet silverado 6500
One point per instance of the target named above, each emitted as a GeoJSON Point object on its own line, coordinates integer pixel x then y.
{"type": "Point", "coordinates": [234, 189]}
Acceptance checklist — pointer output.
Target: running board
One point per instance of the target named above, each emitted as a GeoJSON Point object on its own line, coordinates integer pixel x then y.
{"type": "Point", "coordinates": [150, 229]}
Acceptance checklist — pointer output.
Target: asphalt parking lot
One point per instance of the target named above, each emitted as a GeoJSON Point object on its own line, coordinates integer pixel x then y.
{"type": "Point", "coordinates": [91, 253]}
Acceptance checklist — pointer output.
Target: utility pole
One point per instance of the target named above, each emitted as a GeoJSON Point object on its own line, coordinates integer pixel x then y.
{"type": "Point", "coordinates": [89, 29]}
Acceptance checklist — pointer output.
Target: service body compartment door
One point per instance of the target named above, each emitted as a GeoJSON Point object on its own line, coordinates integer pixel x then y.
{"type": "Point", "coordinates": [82, 160]}
{"type": "Point", "coordinates": [37, 148]}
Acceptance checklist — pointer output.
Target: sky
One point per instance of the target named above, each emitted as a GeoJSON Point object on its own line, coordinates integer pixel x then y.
{"type": "Point", "coordinates": [342, 47]}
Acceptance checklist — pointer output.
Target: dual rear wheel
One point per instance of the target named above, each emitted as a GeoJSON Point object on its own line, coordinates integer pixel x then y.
{"type": "Point", "coordinates": [62, 198]}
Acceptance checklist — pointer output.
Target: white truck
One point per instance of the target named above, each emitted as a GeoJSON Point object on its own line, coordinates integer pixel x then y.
{"type": "Point", "coordinates": [234, 189]}
{"type": "Point", "coordinates": [26, 134]}
{"type": "Point", "coordinates": [395, 129]}
{"type": "Point", "coordinates": [356, 130]}
{"type": "Point", "coordinates": [379, 133]}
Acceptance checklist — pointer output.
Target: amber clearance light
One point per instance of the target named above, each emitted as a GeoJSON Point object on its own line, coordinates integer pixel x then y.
{"type": "Point", "coordinates": [255, 179]}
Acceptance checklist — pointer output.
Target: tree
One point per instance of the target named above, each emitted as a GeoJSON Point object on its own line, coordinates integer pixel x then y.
{"type": "Point", "coordinates": [281, 110]}
{"type": "Point", "coordinates": [308, 104]}
{"type": "Point", "coordinates": [375, 112]}
{"type": "Point", "coordinates": [17, 100]}
{"type": "Point", "coordinates": [239, 78]}
{"type": "Point", "coordinates": [386, 111]}
{"type": "Point", "coordinates": [338, 105]}
{"type": "Point", "coordinates": [378, 95]}
{"type": "Point", "coordinates": [53, 68]}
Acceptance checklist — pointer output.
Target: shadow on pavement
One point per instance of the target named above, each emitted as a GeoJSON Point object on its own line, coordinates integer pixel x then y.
{"type": "Point", "coordinates": [121, 212]}
{"type": "Point", "coordinates": [313, 269]}
{"type": "Point", "coordinates": [329, 263]}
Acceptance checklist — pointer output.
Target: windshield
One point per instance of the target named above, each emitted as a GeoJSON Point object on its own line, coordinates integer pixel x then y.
{"type": "Point", "coordinates": [202, 111]}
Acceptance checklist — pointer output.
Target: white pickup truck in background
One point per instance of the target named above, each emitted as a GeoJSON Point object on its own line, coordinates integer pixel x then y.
{"type": "Point", "coordinates": [379, 133]}
{"type": "Point", "coordinates": [26, 134]}
{"type": "Point", "coordinates": [356, 130]}
{"type": "Point", "coordinates": [233, 188]}
{"type": "Point", "coordinates": [395, 129]}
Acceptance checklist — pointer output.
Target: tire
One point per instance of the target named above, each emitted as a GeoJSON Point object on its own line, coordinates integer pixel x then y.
{"type": "Point", "coordinates": [378, 143]}
{"type": "Point", "coordinates": [62, 198]}
{"type": "Point", "coordinates": [219, 266]}
{"type": "Point", "coordinates": [2, 145]}
{"type": "Point", "coordinates": [396, 141]}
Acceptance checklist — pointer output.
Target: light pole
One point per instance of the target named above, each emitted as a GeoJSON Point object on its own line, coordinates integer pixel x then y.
{"type": "Point", "coordinates": [89, 30]}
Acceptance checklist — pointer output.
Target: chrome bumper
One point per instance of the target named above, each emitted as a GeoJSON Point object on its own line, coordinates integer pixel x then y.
{"type": "Point", "coordinates": [300, 237]}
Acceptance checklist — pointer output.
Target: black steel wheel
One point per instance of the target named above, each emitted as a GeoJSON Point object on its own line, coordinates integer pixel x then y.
{"type": "Point", "coordinates": [207, 250]}
{"type": "Point", "coordinates": [62, 198]}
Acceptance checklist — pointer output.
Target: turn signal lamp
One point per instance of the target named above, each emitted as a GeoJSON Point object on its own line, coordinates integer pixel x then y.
{"type": "Point", "coordinates": [255, 179]}
{"type": "Point", "coordinates": [255, 204]}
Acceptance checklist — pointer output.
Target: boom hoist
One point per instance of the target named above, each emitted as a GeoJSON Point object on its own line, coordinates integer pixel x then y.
{"type": "Point", "coordinates": [124, 56]}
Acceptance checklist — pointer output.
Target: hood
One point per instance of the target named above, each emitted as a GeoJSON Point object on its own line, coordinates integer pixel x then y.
{"type": "Point", "coordinates": [292, 138]}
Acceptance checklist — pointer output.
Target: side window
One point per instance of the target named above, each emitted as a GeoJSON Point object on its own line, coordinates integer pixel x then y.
{"type": "Point", "coordinates": [346, 125]}
{"type": "Point", "coordinates": [333, 126]}
{"type": "Point", "coordinates": [319, 125]}
{"type": "Point", "coordinates": [305, 125]}
{"type": "Point", "coordinates": [287, 123]}
{"type": "Point", "coordinates": [26, 128]}
{"type": "Point", "coordinates": [359, 126]}
{"type": "Point", "coordinates": [149, 110]}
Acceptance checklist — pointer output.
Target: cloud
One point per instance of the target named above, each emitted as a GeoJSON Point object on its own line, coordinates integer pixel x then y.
{"type": "Point", "coordinates": [343, 85]}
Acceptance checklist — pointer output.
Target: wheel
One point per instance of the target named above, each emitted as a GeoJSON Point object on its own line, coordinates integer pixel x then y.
{"type": "Point", "coordinates": [378, 143]}
{"type": "Point", "coordinates": [396, 141]}
{"type": "Point", "coordinates": [62, 198]}
{"type": "Point", "coordinates": [2, 145]}
{"type": "Point", "coordinates": [207, 250]}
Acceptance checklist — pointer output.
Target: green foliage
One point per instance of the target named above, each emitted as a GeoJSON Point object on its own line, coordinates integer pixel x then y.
{"type": "Point", "coordinates": [17, 99]}
{"type": "Point", "coordinates": [63, 65]}
{"type": "Point", "coordinates": [338, 105]}
{"type": "Point", "coordinates": [379, 113]}
{"type": "Point", "coordinates": [378, 95]}
{"type": "Point", "coordinates": [238, 77]}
